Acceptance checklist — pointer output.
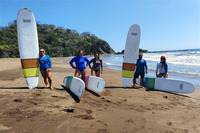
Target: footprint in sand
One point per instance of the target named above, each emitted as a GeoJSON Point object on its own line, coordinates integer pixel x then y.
{"type": "Point", "coordinates": [99, 121]}
{"type": "Point", "coordinates": [169, 123]}
{"type": "Point", "coordinates": [130, 121]}
{"type": "Point", "coordinates": [85, 117]}
{"type": "Point", "coordinates": [103, 131]}
{"type": "Point", "coordinates": [2, 127]}
{"type": "Point", "coordinates": [88, 111]}
{"type": "Point", "coordinates": [17, 100]}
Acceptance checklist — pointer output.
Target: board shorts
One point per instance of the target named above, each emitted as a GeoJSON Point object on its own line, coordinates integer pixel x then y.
{"type": "Point", "coordinates": [162, 74]}
{"type": "Point", "coordinates": [136, 75]}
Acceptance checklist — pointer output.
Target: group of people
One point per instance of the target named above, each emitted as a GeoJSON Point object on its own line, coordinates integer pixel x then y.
{"type": "Point", "coordinates": [141, 69]}
{"type": "Point", "coordinates": [82, 62]}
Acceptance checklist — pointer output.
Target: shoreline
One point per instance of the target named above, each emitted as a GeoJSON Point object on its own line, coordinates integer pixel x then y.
{"type": "Point", "coordinates": [114, 110]}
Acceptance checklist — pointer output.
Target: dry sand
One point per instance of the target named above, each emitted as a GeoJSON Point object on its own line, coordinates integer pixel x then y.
{"type": "Point", "coordinates": [116, 110]}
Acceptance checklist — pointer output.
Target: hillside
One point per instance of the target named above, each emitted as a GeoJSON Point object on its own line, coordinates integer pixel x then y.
{"type": "Point", "coordinates": [57, 41]}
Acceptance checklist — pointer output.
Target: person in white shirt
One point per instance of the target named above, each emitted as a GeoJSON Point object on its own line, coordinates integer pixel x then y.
{"type": "Point", "coordinates": [162, 68]}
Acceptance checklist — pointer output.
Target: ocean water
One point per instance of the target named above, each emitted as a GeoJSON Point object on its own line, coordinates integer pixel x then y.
{"type": "Point", "coordinates": [183, 65]}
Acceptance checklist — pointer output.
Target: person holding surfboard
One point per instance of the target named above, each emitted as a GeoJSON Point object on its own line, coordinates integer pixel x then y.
{"type": "Point", "coordinates": [80, 65]}
{"type": "Point", "coordinates": [141, 69]}
{"type": "Point", "coordinates": [45, 68]}
{"type": "Point", "coordinates": [162, 68]}
{"type": "Point", "coordinates": [97, 67]}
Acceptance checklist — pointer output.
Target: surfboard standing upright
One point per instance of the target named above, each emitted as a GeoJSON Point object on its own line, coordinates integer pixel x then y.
{"type": "Point", "coordinates": [130, 55]}
{"type": "Point", "coordinates": [28, 46]}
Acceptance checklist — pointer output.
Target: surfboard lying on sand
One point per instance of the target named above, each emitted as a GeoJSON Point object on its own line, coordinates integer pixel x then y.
{"type": "Point", "coordinates": [28, 46]}
{"type": "Point", "coordinates": [168, 85]}
{"type": "Point", "coordinates": [94, 83]}
{"type": "Point", "coordinates": [76, 85]}
{"type": "Point", "coordinates": [130, 55]}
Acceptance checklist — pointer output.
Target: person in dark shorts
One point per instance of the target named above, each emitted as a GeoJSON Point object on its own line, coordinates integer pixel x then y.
{"type": "Point", "coordinates": [141, 69]}
{"type": "Point", "coordinates": [97, 67]}
{"type": "Point", "coordinates": [45, 68]}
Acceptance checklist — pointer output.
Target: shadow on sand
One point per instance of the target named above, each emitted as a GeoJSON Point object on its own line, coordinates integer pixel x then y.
{"type": "Point", "coordinates": [121, 87]}
{"type": "Point", "coordinates": [92, 92]}
{"type": "Point", "coordinates": [76, 99]}
{"type": "Point", "coordinates": [14, 88]}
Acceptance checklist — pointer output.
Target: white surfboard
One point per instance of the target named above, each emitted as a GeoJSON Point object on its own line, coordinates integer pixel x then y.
{"type": "Point", "coordinates": [76, 85]}
{"type": "Point", "coordinates": [94, 83]}
{"type": "Point", "coordinates": [130, 55]}
{"type": "Point", "coordinates": [168, 85]}
{"type": "Point", "coordinates": [28, 46]}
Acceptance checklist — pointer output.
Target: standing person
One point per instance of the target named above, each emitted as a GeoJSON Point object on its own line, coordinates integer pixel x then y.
{"type": "Point", "coordinates": [45, 68]}
{"type": "Point", "coordinates": [80, 65]}
{"type": "Point", "coordinates": [97, 65]}
{"type": "Point", "coordinates": [141, 68]}
{"type": "Point", "coordinates": [162, 68]}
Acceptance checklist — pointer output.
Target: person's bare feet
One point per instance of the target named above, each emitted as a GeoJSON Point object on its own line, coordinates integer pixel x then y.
{"type": "Point", "coordinates": [51, 87]}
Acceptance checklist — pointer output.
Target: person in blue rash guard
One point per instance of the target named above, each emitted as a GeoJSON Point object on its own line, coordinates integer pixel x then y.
{"type": "Point", "coordinates": [141, 69]}
{"type": "Point", "coordinates": [80, 65]}
{"type": "Point", "coordinates": [45, 68]}
{"type": "Point", "coordinates": [162, 68]}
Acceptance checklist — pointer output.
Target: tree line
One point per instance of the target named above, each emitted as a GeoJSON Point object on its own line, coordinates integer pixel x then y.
{"type": "Point", "coordinates": [57, 41]}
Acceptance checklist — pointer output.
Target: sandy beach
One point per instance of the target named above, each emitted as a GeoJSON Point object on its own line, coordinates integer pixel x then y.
{"type": "Point", "coordinates": [115, 110]}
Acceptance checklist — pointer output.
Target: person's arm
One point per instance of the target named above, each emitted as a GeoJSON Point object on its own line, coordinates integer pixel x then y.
{"type": "Point", "coordinates": [146, 67]}
{"type": "Point", "coordinates": [71, 63]}
{"type": "Point", "coordinates": [166, 68]}
{"type": "Point", "coordinates": [49, 60]}
{"type": "Point", "coordinates": [88, 62]}
{"type": "Point", "coordinates": [91, 61]}
{"type": "Point", "coordinates": [101, 65]}
{"type": "Point", "coordinates": [157, 69]}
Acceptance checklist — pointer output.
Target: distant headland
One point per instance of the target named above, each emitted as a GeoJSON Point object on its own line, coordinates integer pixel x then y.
{"type": "Point", "coordinates": [140, 50]}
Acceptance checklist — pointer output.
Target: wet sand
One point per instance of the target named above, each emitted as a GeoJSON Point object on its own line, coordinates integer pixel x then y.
{"type": "Point", "coordinates": [115, 110]}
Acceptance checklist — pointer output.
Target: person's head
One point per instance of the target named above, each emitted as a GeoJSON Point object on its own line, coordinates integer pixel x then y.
{"type": "Point", "coordinates": [80, 53]}
{"type": "Point", "coordinates": [163, 59]}
{"type": "Point", "coordinates": [96, 55]}
{"type": "Point", "coordinates": [140, 55]}
{"type": "Point", "coordinates": [42, 52]}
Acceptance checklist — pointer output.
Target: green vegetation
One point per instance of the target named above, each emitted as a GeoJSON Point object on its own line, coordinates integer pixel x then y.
{"type": "Point", "coordinates": [57, 41]}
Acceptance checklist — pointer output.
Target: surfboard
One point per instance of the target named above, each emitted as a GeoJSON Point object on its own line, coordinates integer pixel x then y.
{"type": "Point", "coordinates": [28, 46]}
{"type": "Point", "coordinates": [76, 85]}
{"type": "Point", "coordinates": [168, 85]}
{"type": "Point", "coordinates": [94, 83]}
{"type": "Point", "coordinates": [130, 55]}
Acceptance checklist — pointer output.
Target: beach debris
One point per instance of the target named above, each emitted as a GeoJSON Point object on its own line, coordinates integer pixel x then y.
{"type": "Point", "coordinates": [165, 96]}
{"type": "Point", "coordinates": [69, 110]}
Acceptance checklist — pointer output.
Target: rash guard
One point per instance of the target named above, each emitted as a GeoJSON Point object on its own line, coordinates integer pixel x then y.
{"type": "Point", "coordinates": [140, 65]}
{"type": "Point", "coordinates": [45, 62]}
{"type": "Point", "coordinates": [161, 68]}
{"type": "Point", "coordinates": [80, 63]}
{"type": "Point", "coordinates": [97, 64]}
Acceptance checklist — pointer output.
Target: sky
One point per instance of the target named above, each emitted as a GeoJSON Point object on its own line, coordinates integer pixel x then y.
{"type": "Point", "coordinates": [165, 24]}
